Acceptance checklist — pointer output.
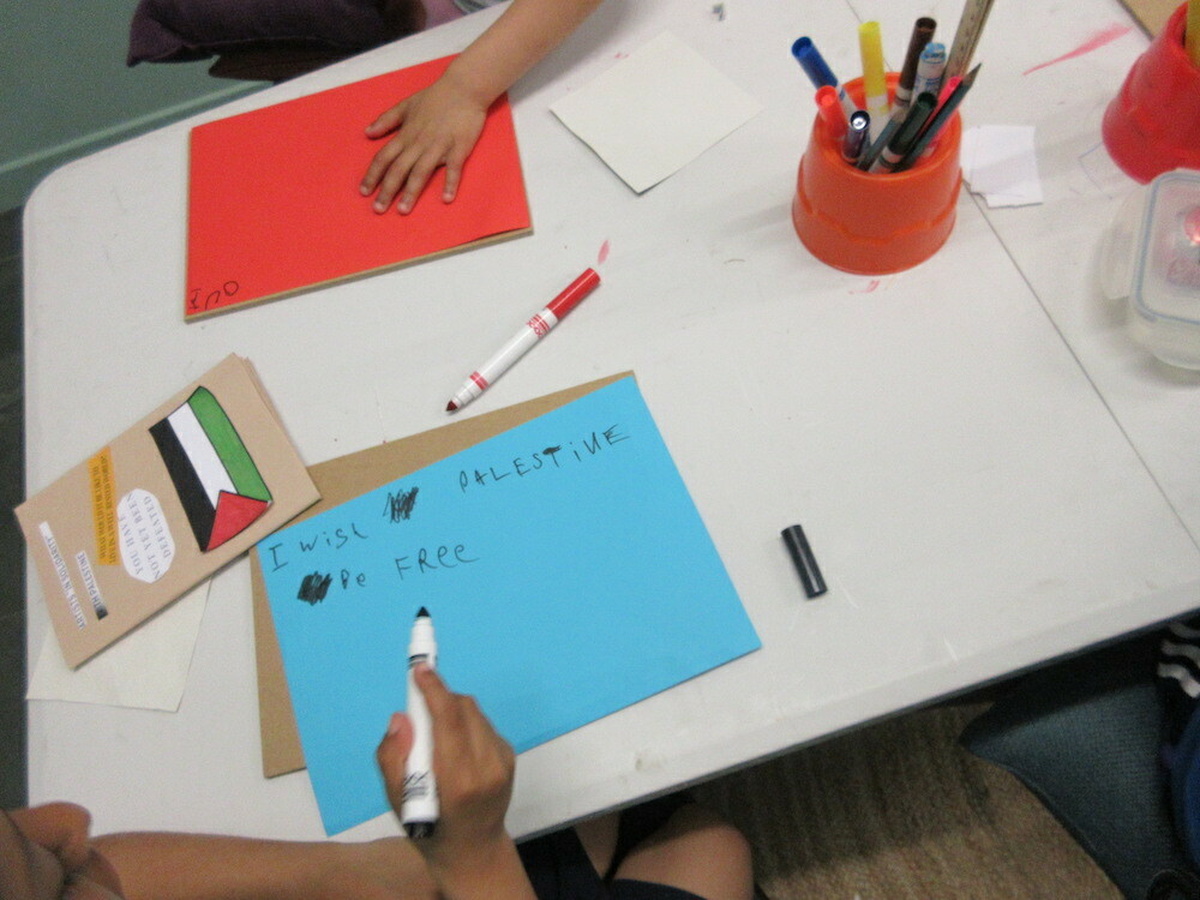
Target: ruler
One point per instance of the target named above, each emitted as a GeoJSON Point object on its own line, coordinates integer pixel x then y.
{"type": "Point", "coordinates": [970, 27]}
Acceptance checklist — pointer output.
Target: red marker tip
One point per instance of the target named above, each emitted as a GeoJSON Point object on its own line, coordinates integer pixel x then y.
{"type": "Point", "coordinates": [451, 406]}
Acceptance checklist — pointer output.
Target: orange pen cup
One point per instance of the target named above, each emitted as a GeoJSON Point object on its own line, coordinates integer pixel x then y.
{"type": "Point", "coordinates": [875, 224]}
{"type": "Point", "coordinates": [1153, 125]}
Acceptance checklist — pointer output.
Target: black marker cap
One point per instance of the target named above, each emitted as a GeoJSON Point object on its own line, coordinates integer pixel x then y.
{"type": "Point", "coordinates": [806, 563]}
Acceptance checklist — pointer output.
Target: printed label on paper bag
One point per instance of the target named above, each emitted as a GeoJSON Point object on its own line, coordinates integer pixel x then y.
{"type": "Point", "coordinates": [147, 547]}
{"type": "Point", "coordinates": [64, 575]}
{"type": "Point", "coordinates": [90, 584]}
{"type": "Point", "coordinates": [104, 513]}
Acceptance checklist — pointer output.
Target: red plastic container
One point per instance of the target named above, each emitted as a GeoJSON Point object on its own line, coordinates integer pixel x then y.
{"type": "Point", "coordinates": [1153, 125]}
{"type": "Point", "coordinates": [875, 224]}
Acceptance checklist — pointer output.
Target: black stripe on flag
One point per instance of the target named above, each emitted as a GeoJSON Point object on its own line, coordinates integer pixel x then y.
{"type": "Point", "coordinates": [192, 496]}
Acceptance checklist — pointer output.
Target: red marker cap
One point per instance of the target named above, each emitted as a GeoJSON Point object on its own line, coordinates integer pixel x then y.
{"type": "Point", "coordinates": [574, 292]}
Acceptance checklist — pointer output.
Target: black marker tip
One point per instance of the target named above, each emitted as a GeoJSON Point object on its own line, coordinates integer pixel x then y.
{"type": "Point", "coordinates": [422, 612]}
{"type": "Point", "coordinates": [420, 830]}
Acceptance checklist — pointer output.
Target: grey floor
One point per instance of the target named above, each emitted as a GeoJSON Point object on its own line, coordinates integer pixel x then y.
{"type": "Point", "coordinates": [12, 490]}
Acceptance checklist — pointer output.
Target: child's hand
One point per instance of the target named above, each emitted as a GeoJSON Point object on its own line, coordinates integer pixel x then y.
{"type": "Point", "coordinates": [474, 770]}
{"type": "Point", "coordinates": [434, 127]}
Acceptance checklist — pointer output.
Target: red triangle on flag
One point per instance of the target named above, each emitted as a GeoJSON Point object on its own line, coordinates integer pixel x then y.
{"type": "Point", "coordinates": [234, 514]}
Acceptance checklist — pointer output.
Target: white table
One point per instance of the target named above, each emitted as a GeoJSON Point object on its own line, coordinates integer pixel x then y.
{"type": "Point", "coordinates": [991, 474]}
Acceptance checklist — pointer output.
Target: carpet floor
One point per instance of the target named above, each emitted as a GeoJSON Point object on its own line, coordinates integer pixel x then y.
{"type": "Point", "coordinates": [899, 811]}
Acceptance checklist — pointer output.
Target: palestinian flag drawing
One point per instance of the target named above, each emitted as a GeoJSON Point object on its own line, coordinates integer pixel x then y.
{"type": "Point", "coordinates": [218, 483]}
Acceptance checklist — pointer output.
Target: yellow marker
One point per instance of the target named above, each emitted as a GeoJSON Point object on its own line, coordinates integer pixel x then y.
{"type": "Point", "coordinates": [875, 93]}
{"type": "Point", "coordinates": [1191, 34]}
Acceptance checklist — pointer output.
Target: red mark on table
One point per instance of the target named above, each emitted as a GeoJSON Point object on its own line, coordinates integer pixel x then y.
{"type": "Point", "coordinates": [602, 256]}
{"type": "Point", "coordinates": [1095, 42]}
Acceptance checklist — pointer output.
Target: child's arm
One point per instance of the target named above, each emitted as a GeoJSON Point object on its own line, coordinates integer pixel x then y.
{"type": "Point", "coordinates": [440, 125]}
{"type": "Point", "coordinates": [469, 857]}
{"type": "Point", "coordinates": [209, 867]}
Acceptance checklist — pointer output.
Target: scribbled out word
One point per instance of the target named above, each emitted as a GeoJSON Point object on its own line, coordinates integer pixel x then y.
{"type": "Point", "coordinates": [314, 587]}
{"type": "Point", "coordinates": [399, 505]}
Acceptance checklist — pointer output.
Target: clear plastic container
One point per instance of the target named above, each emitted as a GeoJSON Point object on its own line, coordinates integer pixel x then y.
{"type": "Point", "coordinates": [1154, 260]}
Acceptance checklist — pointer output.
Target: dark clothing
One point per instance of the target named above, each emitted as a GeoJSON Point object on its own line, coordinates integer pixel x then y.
{"type": "Point", "coordinates": [559, 868]}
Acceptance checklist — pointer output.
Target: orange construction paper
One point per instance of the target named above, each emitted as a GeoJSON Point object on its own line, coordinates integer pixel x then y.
{"type": "Point", "coordinates": [274, 205]}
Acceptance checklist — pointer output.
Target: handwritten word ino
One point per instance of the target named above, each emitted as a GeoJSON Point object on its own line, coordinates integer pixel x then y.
{"type": "Point", "coordinates": [200, 300]}
{"type": "Point", "coordinates": [545, 460]}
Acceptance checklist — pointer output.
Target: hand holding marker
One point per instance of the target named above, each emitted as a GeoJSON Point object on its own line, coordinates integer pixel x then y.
{"type": "Point", "coordinates": [420, 808]}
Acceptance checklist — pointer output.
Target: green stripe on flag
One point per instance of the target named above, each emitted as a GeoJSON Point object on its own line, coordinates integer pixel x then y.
{"type": "Point", "coordinates": [228, 445]}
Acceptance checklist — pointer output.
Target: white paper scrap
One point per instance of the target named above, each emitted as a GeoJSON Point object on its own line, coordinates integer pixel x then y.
{"type": "Point", "coordinates": [146, 669]}
{"type": "Point", "coordinates": [655, 111]}
{"type": "Point", "coordinates": [999, 162]}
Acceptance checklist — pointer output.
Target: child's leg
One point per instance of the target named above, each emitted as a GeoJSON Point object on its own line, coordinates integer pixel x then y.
{"type": "Point", "coordinates": [695, 851]}
{"type": "Point", "coordinates": [599, 839]}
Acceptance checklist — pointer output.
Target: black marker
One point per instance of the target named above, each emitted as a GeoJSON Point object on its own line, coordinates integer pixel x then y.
{"type": "Point", "coordinates": [806, 563]}
{"type": "Point", "coordinates": [419, 806]}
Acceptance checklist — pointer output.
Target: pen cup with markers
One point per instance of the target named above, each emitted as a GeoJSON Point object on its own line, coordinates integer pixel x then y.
{"type": "Point", "coordinates": [1153, 124]}
{"type": "Point", "coordinates": [875, 223]}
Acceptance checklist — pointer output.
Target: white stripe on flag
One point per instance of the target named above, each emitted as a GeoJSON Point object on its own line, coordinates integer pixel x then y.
{"type": "Point", "coordinates": [201, 453]}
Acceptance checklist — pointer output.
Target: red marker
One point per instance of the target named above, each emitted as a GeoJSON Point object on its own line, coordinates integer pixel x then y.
{"type": "Point", "coordinates": [532, 332]}
{"type": "Point", "coordinates": [830, 109]}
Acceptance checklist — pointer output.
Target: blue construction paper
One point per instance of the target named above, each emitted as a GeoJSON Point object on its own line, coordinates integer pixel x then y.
{"type": "Point", "coordinates": [567, 571]}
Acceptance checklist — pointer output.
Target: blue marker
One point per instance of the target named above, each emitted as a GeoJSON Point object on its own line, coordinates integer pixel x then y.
{"type": "Point", "coordinates": [818, 71]}
{"type": "Point", "coordinates": [930, 69]}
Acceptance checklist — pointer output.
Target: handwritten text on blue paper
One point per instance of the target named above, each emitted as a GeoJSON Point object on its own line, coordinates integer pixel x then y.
{"type": "Point", "coordinates": [549, 458]}
{"type": "Point", "coordinates": [399, 505]}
